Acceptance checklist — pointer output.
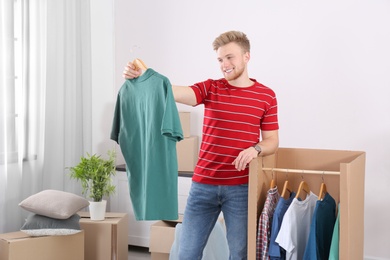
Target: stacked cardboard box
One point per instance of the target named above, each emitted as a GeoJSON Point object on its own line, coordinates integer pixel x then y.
{"type": "Point", "coordinates": [187, 149]}
{"type": "Point", "coordinates": [162, 236]}
{"type": "Point", "coordinates": [20, 246]}
{"type": "Point", "coordinates": [185, 118]}
{"type": "Point", "coordinates": [106, 239]}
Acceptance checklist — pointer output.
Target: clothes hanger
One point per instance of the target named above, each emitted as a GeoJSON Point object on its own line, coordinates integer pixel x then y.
{"type": "Point", "coordinates": [139, 64]}
{"type": "Point", "coordinates": [323, 190]}
{"type": "Point", "coordinates": [286, 188]}
{"type": "Point", "coordinates": [303, 186]}
{"type": "Point", "coordinates": [273, 182]}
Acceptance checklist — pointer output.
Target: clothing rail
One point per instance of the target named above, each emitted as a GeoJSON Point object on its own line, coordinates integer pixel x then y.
{"type": "Point", "coordinates": [301, 171]}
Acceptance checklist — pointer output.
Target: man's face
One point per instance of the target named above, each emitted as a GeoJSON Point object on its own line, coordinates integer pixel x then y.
{"type": "Point", "coordinates": [232, 60]}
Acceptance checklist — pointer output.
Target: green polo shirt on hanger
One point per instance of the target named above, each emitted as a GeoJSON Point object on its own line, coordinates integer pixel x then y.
{"type": "Point", "coordinates": [147, 126]}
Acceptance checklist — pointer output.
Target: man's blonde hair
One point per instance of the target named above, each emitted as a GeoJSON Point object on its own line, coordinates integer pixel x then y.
{"type": "Point", "coordinates": [232, 36]}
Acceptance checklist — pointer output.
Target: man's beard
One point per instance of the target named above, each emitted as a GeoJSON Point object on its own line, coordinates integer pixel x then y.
{"type": "Point", "coordinates": [235, 75]}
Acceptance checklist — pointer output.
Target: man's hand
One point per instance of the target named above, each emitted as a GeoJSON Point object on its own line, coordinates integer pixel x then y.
{"type": "Point", "coordinates": [269, 145]}
{"type": "Point", "coordinates": [244, 158]}
{"type": "Point", "coordinates": [130, 71]}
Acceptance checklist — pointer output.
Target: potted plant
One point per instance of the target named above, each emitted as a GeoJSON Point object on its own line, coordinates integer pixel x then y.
{"type": "Point", "coordinates": [95, 174]}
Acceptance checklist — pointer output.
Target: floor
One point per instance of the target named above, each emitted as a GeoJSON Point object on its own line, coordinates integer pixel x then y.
{"type": "Point", "coordinates": [139, 253]}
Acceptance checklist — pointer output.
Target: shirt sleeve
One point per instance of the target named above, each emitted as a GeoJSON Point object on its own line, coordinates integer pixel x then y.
{"type": "Point", "coordinates": [201, 90]}
{"type": "Point", "coordinates": [171, 125]}
{"type": "Point", "coordinates": [270, 119]}
{"type": "Point", "coordinates": [116, 121]}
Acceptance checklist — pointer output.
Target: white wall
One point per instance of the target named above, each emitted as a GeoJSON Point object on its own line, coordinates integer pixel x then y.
{"type": "Point", "coordinates": [103, 88]}
{"type": "Point", "coordinates": [328, 62]}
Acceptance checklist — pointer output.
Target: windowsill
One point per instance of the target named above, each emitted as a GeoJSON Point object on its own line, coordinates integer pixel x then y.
{"type": "Point", "coordinates": [13, 158]}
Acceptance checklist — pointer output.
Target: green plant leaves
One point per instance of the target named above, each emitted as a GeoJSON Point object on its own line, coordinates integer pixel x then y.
{"type": "Point", "coordinates": [95, 174]}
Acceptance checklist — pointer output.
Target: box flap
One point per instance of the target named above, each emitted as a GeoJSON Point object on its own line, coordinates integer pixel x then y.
{"type": "Point", "coordinates": [179, 220]}
{"type": "Point", "coordinates": [13, 235]}
{"type": "Point", "coordinates": [85, 214]}
{"type": "Point", "coordinates": [17, 245]}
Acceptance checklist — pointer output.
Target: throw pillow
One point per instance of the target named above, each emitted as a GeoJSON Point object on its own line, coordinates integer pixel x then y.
{"type": "Point", "coordinates": [54, 204]}
{"type": "Point", "coordinates": [37, 225]}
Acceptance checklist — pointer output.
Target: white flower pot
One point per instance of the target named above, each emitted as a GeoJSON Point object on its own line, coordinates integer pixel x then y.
{"type": "Point", "coordinates": [97, 210]}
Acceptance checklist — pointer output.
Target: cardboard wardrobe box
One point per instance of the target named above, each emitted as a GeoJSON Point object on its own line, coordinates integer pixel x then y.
{"type": "Point", "coordinates": [185, 118]}
{"type": "Point", "coordinates": [105, 239]}
{"type": "Point", "coordinates": [343, 172]}
{"type": "Point", "coordinates": [20, 246]}
{"type": "Point", "coordinates": [187, 153]}
{"type": "Point", "coordinates": [162, 236]}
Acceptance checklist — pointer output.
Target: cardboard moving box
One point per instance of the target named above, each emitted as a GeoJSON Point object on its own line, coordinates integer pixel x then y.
{"type": "Point", "coordinates": [106, 239]}
{"type": "Point", "coordinates": [185, 118]}
{"type": "Point", "coordinates": [20, 246]}
{"type": "Point", "coordinates": [162, 236]}
{"type": "Point", "coordinates": [187, 154]}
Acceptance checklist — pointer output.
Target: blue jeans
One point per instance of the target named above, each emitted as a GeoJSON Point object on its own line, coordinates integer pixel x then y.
{"type": "Point", "coordinates": [204, 204]}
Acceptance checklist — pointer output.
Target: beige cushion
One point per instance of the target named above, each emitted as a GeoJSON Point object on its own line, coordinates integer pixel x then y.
{"type": "Point", "coordinates": [54, 204]}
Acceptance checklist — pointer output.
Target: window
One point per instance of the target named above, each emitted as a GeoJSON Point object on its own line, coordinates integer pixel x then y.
{"type": "Point", "coordinates": [11, 72]}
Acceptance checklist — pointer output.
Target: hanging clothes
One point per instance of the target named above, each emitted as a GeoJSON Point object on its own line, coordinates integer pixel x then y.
{"type": "Point", "coordinates": [334, 247]}
{"type": "Point", "coordinates": [295, 227]}
{"type": "Point", "coordinates": [265, 222]}
{"type": "Point", "coordinates": [321, 229]}
{"type": "Point", "coordinates": [275, 251]}
{"type": "Point", "coordinates": [147, 126]}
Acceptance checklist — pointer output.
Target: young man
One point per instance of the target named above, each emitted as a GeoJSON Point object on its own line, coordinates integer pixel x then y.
{"type": "Point", "coordinates": [237, 110]}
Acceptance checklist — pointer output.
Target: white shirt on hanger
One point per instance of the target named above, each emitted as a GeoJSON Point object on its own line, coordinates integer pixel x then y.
{"type": "Point", "coordinates": [295, 228]}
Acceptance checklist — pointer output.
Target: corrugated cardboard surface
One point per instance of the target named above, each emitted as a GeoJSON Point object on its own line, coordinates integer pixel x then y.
{"type": "Point", "coordinates": [347, 188]}
{"type": "Point", "coordinates": [187, 153]}
{"type": "Point", "coordinates": [185, 118]}
{"type": "Point", "coordinates": [162, 236]}
{"type": "Point", "coordinates": [159, 256]}
{"type": "Point", "coordinates": [106, 239]}
{"type": "Point", "coordinates": [19, 246]}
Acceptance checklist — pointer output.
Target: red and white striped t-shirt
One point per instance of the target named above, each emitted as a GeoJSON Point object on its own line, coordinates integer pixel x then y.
{"type": "Point", "coordinates": [233, 118]}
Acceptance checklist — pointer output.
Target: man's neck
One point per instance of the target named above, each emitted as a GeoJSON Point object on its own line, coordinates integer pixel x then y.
{"type": "Point", "coordinates": [242, 82]}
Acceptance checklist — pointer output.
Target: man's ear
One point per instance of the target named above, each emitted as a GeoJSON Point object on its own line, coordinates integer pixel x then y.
{"type": "Point", "coordinates": [247, 56]}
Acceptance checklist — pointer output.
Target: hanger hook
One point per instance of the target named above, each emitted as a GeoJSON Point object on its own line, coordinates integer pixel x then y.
{"type": "Point", "coordinates": [286, 174]}
{"type": "Point", "coordinates": [303, 172]}
{"type": "Point", "coordinates": [323, 173]}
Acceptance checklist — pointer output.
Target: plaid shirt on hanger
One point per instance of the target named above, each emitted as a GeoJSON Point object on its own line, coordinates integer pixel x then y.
{"type": "Point", "coordinates": [265, 221]}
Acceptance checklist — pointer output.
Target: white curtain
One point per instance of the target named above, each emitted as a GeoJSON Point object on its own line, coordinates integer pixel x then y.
{"type": "Point", "coordinates": [45, 99]}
